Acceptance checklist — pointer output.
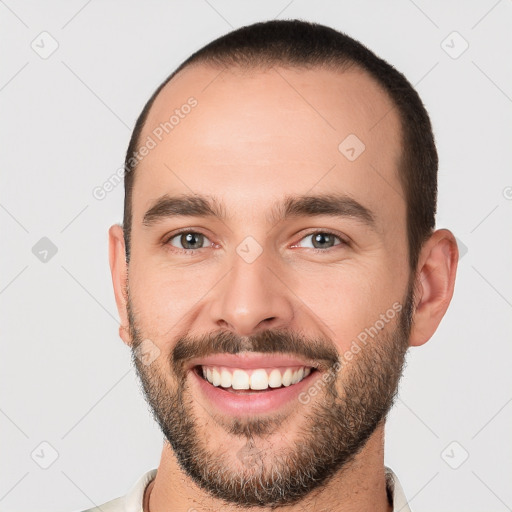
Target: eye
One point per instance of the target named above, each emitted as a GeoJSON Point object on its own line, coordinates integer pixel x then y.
{"type": "Point", "coordinates": [188, 241]}
{"type": "Point", "coordinates": [322, 240]}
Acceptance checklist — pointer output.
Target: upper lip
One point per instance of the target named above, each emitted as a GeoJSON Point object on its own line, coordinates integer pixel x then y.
{"type": "Point", "coordinates": [250, 360]}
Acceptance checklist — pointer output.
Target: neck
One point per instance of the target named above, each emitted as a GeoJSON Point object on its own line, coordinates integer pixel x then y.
{"type": "Point", "coordinates": [360, 486]}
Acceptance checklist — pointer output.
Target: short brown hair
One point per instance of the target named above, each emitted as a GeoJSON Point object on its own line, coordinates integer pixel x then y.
{"type": "Point", "coordinates": [301, 44]}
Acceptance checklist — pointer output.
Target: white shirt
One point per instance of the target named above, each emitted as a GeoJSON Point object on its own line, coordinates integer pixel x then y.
{"type": "Point", "coordinates": [132, 501]}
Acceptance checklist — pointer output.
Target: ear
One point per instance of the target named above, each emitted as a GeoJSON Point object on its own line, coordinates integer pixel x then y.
{"type": "Point", "coordinates": [435, 280]}
{"type": "Point", "coordinates": [119, 271]}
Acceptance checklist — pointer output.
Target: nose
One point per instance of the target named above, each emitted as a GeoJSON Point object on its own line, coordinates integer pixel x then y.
{"type": "Point", "coordinates": [251, 298]}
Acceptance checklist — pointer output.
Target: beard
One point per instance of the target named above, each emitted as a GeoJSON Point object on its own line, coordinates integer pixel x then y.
{"type": "Point", "coordinates": [332, 427]}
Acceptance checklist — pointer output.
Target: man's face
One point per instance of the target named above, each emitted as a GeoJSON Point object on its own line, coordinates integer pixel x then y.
{"type": "Point", "coordinates": [330, 292]}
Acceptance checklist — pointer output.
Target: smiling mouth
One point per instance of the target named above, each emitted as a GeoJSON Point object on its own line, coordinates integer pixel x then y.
{"type": "Point", "coordinates": [256, 381]}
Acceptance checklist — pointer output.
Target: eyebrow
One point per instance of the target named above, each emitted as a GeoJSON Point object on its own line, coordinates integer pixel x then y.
{"type": "Point", "coordinates": [333, 205]}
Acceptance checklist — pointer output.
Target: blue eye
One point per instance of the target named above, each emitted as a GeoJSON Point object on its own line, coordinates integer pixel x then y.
{"type": "Point", "coordinates": [191, 241]}
{"type": "Point", "coordinates": [323, 240]}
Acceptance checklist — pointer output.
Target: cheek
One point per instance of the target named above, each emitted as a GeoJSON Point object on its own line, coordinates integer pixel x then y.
{"type": "Point", "coordinates": [348, 300]}
{"type": "Point", "coordinates": [165, 298]}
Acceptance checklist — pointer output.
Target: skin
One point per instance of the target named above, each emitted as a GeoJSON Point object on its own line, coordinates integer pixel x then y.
{"type": "Point", "coordinates": [253, 138]}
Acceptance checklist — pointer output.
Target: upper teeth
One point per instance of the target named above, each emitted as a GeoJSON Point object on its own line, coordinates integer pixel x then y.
{"type": "Point", "coordinates": [257, 379]}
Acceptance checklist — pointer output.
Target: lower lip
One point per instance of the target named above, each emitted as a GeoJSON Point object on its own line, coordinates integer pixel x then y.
{"type": "Point", "coordinates": [253, 403]}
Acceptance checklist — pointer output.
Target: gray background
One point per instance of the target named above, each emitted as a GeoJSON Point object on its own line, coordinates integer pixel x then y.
{"type": "Point", "coordinates": [66, 377]}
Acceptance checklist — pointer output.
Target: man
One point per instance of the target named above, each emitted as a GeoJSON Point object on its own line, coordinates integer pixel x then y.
{"type": "Point", "coordinates": [277, 259]}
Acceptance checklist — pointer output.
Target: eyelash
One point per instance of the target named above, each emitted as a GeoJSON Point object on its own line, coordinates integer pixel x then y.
{"type": "Point", "coordinates": [343, 241]}
{"type": "Point", "coordinates": [192, 252]}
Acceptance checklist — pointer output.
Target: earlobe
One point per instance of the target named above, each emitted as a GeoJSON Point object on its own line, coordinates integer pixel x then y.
{"type": "Point", "coordinates": [437, 267]}
{"type": "Point", "coordinates": [119, 271]}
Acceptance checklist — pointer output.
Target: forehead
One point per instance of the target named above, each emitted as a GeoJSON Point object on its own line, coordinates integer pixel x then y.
{"type": "Point", "coordinates": [252, 136]}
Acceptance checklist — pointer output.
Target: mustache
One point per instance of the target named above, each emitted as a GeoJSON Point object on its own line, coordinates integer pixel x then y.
{"type": "Point", "coordinates": [276, 341]}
